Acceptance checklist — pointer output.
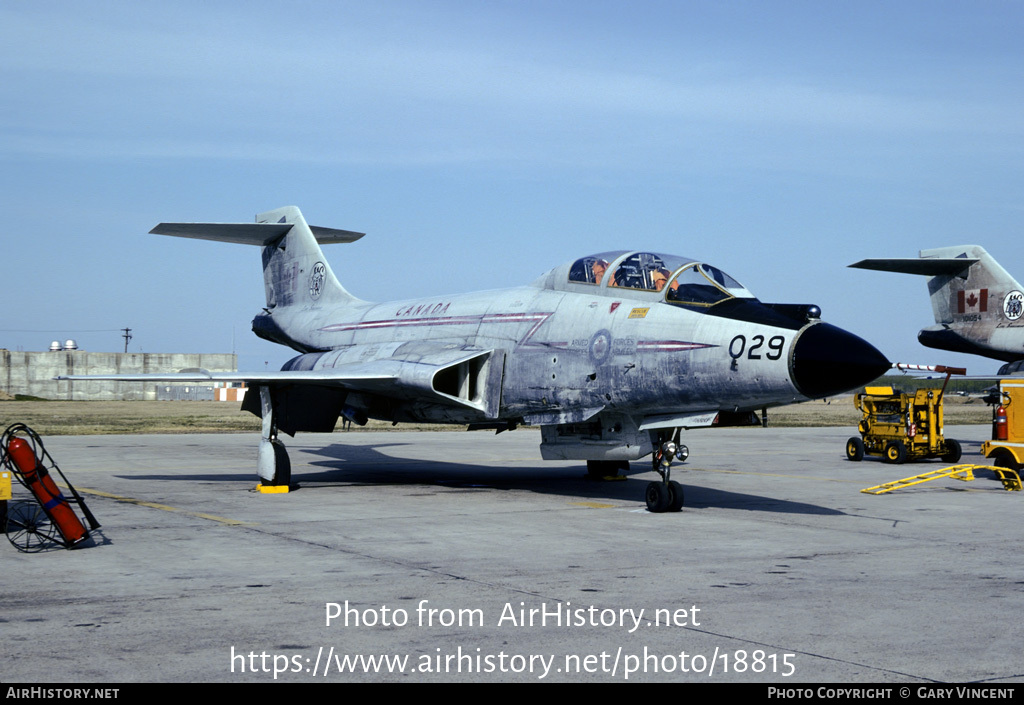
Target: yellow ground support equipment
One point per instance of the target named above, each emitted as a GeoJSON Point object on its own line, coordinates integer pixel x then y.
{"type": "Point", "coordinates": [1007, 445]}
{"type": "Point", "coordinates": [5, 494]}
{"type": "Point", "coordinates": [901, 427]}
{"type": "Point", "coordinates": [1009, 478]}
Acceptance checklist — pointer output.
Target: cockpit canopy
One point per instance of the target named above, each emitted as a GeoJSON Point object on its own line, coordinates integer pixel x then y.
{"type": "Point", "coordinates": [683, 281]}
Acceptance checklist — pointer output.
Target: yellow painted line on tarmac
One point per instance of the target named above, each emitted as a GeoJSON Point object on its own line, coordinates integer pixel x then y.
{"type": "Point", "coordinates": [593, 505]}
{"type": "Point", "coordinates": [163, 507]}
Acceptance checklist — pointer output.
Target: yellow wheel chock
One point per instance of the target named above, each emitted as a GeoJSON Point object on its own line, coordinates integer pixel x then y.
{"type": "Point", "coordinates": [1009, 478]}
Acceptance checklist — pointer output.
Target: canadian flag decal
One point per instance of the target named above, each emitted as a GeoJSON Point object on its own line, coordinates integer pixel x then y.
{"type": "Point", "coordinates": [972, 301]}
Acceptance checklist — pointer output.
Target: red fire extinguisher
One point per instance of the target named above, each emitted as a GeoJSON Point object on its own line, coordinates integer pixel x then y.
{"type": "Point", "coordinates": [46, 491]}
{"type": "Point", "coordinates": [999, 426]}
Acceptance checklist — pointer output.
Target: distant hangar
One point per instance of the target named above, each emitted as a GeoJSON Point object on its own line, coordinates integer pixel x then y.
{"type": "Point", "coordinates": [32, 373]}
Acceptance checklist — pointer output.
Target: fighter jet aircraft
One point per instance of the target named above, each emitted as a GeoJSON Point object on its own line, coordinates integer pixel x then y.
{"type": "Point", "coordinates": [978, 306]}
{"type": "Point", "coordinates": [611, 355]}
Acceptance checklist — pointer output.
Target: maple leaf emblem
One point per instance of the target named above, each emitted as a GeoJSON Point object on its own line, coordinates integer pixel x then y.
{"type": "Point", "coordinates": [972, 300]}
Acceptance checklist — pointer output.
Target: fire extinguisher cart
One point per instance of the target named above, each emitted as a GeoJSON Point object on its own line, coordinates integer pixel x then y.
{"type": "Point", "coordinates": [1007, 445]}
{"type": "Point", "coordinates": [48, 518]}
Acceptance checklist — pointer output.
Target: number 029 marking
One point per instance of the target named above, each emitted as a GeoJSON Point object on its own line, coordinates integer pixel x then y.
{"type": "Point", "coordinates": [757, 350]}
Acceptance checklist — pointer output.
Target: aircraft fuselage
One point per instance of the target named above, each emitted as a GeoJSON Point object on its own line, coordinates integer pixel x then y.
{"type": "Point", "coordinates": [611, 355]}
{"type": "Point", "coordinates": [568, 355]}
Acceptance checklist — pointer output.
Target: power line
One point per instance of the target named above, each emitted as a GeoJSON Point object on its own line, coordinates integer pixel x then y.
{"type": "Point", "coordinates": [59, 330]}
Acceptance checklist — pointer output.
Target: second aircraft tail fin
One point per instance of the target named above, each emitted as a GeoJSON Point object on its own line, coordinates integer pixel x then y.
{"type": "Point", "coordinates": [974, 300]}
{"type": "Point", "coordinates": [983, 290]}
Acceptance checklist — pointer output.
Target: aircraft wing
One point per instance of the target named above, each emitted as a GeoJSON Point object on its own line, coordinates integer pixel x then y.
{"type": "Point", "coordinates": [348, 379]}
{"type": "Point", "coordinates": [469, 380]}
{"type": "Point", "coordinates": [927, 266]}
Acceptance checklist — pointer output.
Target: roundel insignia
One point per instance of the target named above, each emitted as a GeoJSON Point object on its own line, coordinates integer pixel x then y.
{"type": "Point", "coordinates": [1013, 305]}
{"type": "Point", "coordinates": [600, 346]}
{"type": "Point", "coordinates": [316, 280]}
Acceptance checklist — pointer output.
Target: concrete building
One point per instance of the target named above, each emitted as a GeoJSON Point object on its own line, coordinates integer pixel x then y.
{"type": "Point", "coordinates": [33, 372]}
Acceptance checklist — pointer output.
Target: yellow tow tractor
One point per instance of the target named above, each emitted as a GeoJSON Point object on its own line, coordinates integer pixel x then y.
{"type": "Point", "coordinates": [1007, 445]}
{"type": "Point", "coordinates": [901, 427]}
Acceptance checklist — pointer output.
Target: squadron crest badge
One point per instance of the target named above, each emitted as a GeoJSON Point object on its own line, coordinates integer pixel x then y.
{"type": "Point", "coordinates": [316, 280]}
{"type": "Point", "coordinates": [1013, 305]}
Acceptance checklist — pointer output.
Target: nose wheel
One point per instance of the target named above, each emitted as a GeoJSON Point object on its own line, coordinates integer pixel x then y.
{"type": "Point", "coordinates": [666, 495]}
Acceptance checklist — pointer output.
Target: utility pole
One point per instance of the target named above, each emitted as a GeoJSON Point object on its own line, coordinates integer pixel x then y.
{"type": "Point", "coordinates": [127, 336]}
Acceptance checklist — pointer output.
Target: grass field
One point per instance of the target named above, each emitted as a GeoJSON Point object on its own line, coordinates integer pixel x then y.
{"type": "Point", "coordinates": [105, 417]}
{"type": "Point", "coordinates": [842, 412]}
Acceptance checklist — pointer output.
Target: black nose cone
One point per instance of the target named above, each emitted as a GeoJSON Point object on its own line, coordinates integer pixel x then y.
{"type": "Point", "coordinates": [828, 360]}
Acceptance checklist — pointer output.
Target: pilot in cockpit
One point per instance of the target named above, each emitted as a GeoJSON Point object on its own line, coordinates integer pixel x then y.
{"type": "Point", "coordinates": [659, 277]}
{"type": "Point", "coordinates": [589, 269]}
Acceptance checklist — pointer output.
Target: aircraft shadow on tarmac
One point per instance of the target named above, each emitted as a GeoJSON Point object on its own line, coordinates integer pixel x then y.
{"type": "Point", "coordinates": [371, 467]}
{"type": "Point", "coordinates": [347, 465]}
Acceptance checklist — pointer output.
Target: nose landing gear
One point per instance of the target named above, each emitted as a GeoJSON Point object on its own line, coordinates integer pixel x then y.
{"type": "Point", "coordinates": [666, 495]}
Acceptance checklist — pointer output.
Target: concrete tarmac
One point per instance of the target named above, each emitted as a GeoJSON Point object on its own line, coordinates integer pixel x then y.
{"type": "Point", "coordinates": [463, 557]}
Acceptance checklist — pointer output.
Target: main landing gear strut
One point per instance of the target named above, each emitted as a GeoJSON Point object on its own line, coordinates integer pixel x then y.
{"type": "Point", "coordinates": [666, 495]}
{"type": "Point", "coordinates": [272, 463]}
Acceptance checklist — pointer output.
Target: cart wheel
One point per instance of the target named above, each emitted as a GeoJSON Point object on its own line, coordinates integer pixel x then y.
{"type": "Point", "coordinates": [29, 529]}
{"type": "Point", "coordinates": [1004, 459]}
{"type": "Point", "coordinates": [855, 448]}
{"type": "Point", "coordinates": [895, 452]}
{"type": "Point", "coordinates": [953, 452]}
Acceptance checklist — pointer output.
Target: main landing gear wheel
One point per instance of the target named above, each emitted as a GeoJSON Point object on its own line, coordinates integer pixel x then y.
{"type": "Point", "coordinates": [273, 461]}
{"type": "Point", "coordinates": [29, 528]}
{"type": "Point", "coordinates": [606, 470]}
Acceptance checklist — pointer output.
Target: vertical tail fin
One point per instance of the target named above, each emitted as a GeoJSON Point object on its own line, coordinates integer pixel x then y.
{"type": "Point", "coordinates": [978, 306]}
{"type": "Point", "coordinates": [981, 290]}
{"type": "Point", "coordinates": [295, 271]}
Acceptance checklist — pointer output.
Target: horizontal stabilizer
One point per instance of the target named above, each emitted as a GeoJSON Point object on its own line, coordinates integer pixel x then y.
{"type": "Point", "coordinates": [261, 234]}
{"type": "Point", "coordinates": [929, 267]}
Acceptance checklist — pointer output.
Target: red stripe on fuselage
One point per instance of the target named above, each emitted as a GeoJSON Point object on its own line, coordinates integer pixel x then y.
{"type": "Point", "coordinates": [445, 321]}
{"type": "Point", "coordinates": [538, 318]}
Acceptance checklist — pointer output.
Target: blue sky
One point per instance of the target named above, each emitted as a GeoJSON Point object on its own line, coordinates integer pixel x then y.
{"type": "Point", "coordinates": [480, 144]}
